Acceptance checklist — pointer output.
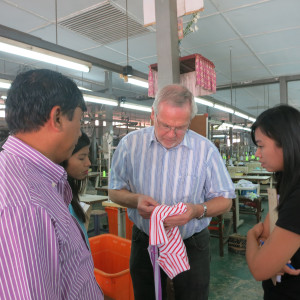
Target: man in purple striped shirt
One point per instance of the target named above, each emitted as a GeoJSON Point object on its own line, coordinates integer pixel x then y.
{"type": "Point", "coordinates": [43, 254]}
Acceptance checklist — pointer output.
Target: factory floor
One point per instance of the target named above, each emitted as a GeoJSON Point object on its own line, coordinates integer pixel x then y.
{"type": "Point", "coordinates": [230, 277]}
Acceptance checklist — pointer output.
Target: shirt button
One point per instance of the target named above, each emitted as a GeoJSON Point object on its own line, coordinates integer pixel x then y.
{"type": "Point", "coordinates": [53, 184]}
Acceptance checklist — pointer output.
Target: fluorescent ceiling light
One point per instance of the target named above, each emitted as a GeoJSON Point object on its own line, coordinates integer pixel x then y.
{"type": "Point", "coordinates": [136, 107]}
{"type": "Point", "coordinates": [2, 113]}
{"type": "Point", "coordinates": [100, 100]}
{"type": "Point", "coordinates": [227, 124]}
{"type": "Point", "coordinates": [138, 82]}
{"type": "Point", "coordinates": [219, 136]}
{"type": "Point", "coordinates": [4, 97]}
{"type": "Point", "coordinates": [241, 127]}
{"type": "Point", "coordinates": [238, 127]}
{"type": "Point", "coordinates": [128, 127]}
{"type": "Point", "coordinates": [32, 52]}
{"type": "Point", "coordinates": [224, 108]}
{"type": "Point", "coordinates": [203, 101]}
{"type": "Point", "coordinates": [83, 89]}
{"type": "Point", "coordinates": [224, 126]}
{"type": "Point", "coordinates": [237, 113]}
{"type": "Point", "coordinates": [5, 84]}
{"type": "Point", "coordinates": [117, 123]}
{"type": "Point", "coordinates": [2, 106]}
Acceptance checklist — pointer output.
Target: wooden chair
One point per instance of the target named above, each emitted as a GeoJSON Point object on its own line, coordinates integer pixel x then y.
{"type": "Point", "coordinates": [257, 212]}
{"type": "Point", "coordinates": [254, 204]}
{"type": "Point", "coordinates": [217, 229]}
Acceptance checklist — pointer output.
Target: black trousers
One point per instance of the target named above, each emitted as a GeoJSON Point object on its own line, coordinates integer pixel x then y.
{"type": "Point", "coordinates": [192, 284]}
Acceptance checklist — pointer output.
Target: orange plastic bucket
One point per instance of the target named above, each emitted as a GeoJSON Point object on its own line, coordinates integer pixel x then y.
{"type": "Point", "coordinates": [111, 255]}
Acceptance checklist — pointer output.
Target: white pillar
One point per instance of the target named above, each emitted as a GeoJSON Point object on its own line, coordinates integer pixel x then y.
{"type": "Point", "coordinates": [167, 42]}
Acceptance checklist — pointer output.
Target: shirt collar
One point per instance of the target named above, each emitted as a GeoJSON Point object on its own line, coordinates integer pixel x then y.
{"type": "Point", "coordinates": [52, 171]}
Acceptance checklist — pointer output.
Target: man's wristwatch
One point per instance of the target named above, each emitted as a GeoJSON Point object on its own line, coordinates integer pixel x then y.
{"type": "Point", "coordinates": [204, 212]}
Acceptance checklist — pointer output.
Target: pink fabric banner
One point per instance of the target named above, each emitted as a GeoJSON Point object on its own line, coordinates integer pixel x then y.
{"type": "Point", "coordinates": [201, 81]}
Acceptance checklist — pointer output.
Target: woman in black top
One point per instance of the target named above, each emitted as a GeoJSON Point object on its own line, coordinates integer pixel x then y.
{"type": "Point", "coordinates": [276, 133]}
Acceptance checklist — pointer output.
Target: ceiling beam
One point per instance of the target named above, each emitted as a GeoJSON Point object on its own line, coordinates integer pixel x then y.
{"type": "Point", "coordinates": [257, 82]}
{"type": "Point", "coordinates": [7, 77]}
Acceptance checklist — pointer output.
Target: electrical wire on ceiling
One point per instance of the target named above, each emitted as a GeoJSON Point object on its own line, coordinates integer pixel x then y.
{"type": "Point", "coordinates": [56, 33]}
{"type": "Point", "coordinates": [230, 74]}
{"type": "Point", "coordinates": [235, 97]}
{"type": "Point", "coordinates": [56, 28]}
{"type": "Point", "coordinates": [127, 47]}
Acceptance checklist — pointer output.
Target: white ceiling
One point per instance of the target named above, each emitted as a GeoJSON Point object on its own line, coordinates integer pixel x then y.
{"type": "Point", "coordinates": [262, 35]}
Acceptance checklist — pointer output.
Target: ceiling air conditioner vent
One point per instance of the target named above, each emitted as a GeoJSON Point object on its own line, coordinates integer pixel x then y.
{"type": "Point", "coordinates": [104, 23]}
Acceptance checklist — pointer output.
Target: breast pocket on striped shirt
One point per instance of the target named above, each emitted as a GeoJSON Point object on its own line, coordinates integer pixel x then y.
{"type": "Point", "coordinates": [189, 184]}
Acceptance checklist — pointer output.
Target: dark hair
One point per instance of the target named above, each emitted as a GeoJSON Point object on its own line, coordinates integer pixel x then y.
{"type": "Point", "coordinates": [282, 124]}
{"type": "Point", "coordinates": [77, 186]}
{"type": "Point", "coordinates": [32, 96]}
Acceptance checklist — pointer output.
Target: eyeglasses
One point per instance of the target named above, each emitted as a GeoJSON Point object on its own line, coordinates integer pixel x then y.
{"type": "Point", "coordinates": [177, 130]}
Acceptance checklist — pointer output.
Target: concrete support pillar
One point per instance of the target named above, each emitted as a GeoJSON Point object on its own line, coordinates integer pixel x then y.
{"type": "Point", "coordinates": [94, 150]}
{"type": "Point", "coordinates": [93, 140]}
{"type": "Point", "coordinates": [108, 109]}
{"type": "Point", "coordinates": [283, 91]}
{"type": "Point", "coordinates": [167, 42]}
{"type": "Point", "coordinates": [108, 82]}
{"type": "Point", "coordinates": [209, 132]}
{"type": "Point", "coordinates": [109, 118]}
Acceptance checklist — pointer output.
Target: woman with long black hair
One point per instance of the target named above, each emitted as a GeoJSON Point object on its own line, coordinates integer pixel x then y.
{"type": "Point", "coordinates": [276, 133]}
{"type": "Point", "coordinates": [77, 167]}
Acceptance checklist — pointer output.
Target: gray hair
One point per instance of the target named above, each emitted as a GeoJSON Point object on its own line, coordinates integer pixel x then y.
{"type": "Point", "coordinates": [177, 95]}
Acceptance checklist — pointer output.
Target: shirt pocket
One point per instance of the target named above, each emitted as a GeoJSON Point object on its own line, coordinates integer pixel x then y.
{"type": "Point", "coordinates": [188, 186]}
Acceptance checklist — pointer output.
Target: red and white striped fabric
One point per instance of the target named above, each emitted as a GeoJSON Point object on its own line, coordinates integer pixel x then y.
{"type": "Point", "coordinates": [172, 253]}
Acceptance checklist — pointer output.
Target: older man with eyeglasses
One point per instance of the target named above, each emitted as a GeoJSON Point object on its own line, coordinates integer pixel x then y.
{"type": "Point", "coordinates": [164, 165]}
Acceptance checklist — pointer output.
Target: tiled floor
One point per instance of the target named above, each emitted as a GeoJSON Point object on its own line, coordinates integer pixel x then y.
{"type": "Point", "coordinates": [230, 276]}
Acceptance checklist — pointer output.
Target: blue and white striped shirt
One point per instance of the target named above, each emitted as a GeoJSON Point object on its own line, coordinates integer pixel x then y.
{"type": "Point", "coordinates": [192, 172]}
